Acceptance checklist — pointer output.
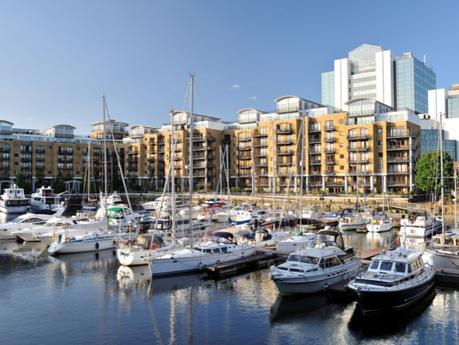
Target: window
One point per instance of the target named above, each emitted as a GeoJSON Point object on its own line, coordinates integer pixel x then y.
{"type": "Point", "coordinates": [310, 260]}
{"type": "Point", "coordinates": [380, 154]}
{"type": "Point", "coordinates": [400, 267]}
{"type": "Point", "coordinates": [379, 142]}
{"type": "Point", "coordinates": [341, 167]}
{"type": "Point", "coordinates": [341, 156]}
{"type": "Point", "coordinates": [386, 266]}
{"type": "Point", "coordinates": [374, 265]}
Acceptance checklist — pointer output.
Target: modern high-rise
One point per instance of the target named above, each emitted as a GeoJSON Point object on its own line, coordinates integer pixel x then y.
{"type": "Point", "coordinates": [446, 103]}
{"type": "Point", "coordinates": [370, 72]}
{"type": "Point", "coordinates": [413, 80]}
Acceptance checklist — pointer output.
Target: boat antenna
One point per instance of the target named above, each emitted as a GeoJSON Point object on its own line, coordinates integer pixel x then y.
{"type": "Point", "coordinates": [105, 157]}
{"type": "Point", "coordinates": [171, 162]}
{"type": "Point", "coordinates": [442, 190]}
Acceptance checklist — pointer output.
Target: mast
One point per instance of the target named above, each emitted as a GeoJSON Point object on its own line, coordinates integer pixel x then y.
{"type": "Point", "coordinates": [455, 198]}
{"type": "Point", "coordinates": [104, 106]}
{"type": "Point", "coordinates": [190, 160]}
{"type": "Point", "coordinates": [171, 163]}
{"type": "Point", "coordinates": [442, 191]}
{"type": "Point", "coordinates": [302, 172]}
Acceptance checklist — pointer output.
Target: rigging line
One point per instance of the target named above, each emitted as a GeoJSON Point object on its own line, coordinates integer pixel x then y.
{"type": "Point", "coordinates": [119, 162]}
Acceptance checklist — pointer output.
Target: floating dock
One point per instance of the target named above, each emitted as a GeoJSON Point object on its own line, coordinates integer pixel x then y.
{"type": "Point", "coordinates": [261, 259]}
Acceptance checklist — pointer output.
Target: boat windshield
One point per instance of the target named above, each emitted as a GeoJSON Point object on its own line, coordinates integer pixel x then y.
{"type": "Point", "coordinates": [386, 266]}
{"type": "Point", "coordinates": [374, 265]}
{"type": "Point", "coordinates": [304, 259]}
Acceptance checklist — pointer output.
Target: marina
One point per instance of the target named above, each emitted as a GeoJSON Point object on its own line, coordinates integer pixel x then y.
{"type": "Point", "coordinates": [117, 304]}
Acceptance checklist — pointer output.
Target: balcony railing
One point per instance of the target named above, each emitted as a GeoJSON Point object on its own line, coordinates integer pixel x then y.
{"type": "Point", "coordinates": [396, 147]}
{"type": "Point", "coordinates": [359, 160]}
{"type": "Point", "coordinates": [314, 129]}
{"type": "Point", "coordinates": [329, 128]}
{"type": "Point", "coordinates": [285, 142]}
{"type": "Point", "coordinates": [361, 136]}
{"type": "Point", "coordinates": [284, 130]}
{"type": "Point", "coordinates": [358, 148]}
{"type": "Point", "coordinates": [285, 153]}
{"type": "Point", "coordinates": [330, 139]}
{"type": "Point", "coordinates": [403, 133]}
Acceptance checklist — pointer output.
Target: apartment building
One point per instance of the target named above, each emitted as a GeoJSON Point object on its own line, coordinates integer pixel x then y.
{"type": "Point", "coordinates": [306, 146]}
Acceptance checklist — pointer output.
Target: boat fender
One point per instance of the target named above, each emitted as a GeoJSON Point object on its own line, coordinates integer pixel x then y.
{"type": "Point", "coordinates": [129, 243]}
{"type": "Point", "coordinates": [153, 246]}
{"type": "Point", "coordinates": [97, 245]}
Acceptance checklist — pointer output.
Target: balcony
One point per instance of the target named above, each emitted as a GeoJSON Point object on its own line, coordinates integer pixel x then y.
{"type": "Point", "coordinates": [392, 147]}
{"type": "Point", "coordinates": [284, 142]}
{"type": "Point", "coordinates": [284, 163]}
{"type": "Point", "coordinates": [315, 152]}
{"type": "Point", "coordinates": [315, 162]}
{"type": "Point", "coordinates": [261, 144]}
{"type": "Point", "coordinates": [314, 129]}
{"type": "Point", "coordinates": [330, 160]}
{"type": "Point", "coordinates": [358, 148]}
{"type": "Point", "coordinates": [244, 158]}
{"type": "Point", "coordinates": [398, 184]}
{"type": "Point", "coordinates": [198, 139]}
{"type": "Point", "coordinates": [329, 128]}
{"type": "Point", "coordinates": [199, 148]}
{"type": "Point", "coordinates": [398, 172]}
{"type": "Point", "coordinates": [260, 154]}
{"type": "Point", "coordinates": [361, 136]}
{"type": "Point", "coordinates": [244, 148]}
{"type": "Point", "coordinates": [261, 135]}
{"type": "Point", "coordinates": [359, 161]}
{"type": "Point", "coordinates": [398, 160]}
{"type": "Point", "coordinates": [261, 164]}
{"type": "Point", "coordinates": [244, 139]}
{"type": "Point", "coordinates": [330, 139]}
{"type": "Point", "coordinates": [284, 130]}
{"type": "Point", "coordinates": [398, 134]}
{"type": "Point", "coordinates": [285, 153]}
{"type": "Point", "coordinates": [314, 140]}
{"type": "Point", "coordinates": [330, 150]}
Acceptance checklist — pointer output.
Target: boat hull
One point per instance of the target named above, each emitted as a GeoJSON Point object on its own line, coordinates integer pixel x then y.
{"type": "Point", "coordinates": [315, 284]}
{"type": "Point", "coordinates": [14, 209]}
{"type": "Point", "coordinates": [441, 261]}
{"type": "Point", "coordinates": [377, 302]}
{"type": "Point", "coordinates": [81, 246]}
{"type": "Point", "coordinates": [379, 227]}
{"type": "Point", "coordinates": [172, 266]}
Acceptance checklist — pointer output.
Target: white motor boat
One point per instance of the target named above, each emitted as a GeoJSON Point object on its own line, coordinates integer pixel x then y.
{"type": "Point", "coordinates": [311, 270]}
{"type": "Point", "coordinates": [24, 221]}
{"type": "Point", "coordinates": [197, 258]}
{"type": "Point", "coordinates": [58, 225]}
{"type": "Point", "coordinates": [379, 223]}
{"type": "Point", "coordinates": [419, 225]}
{"type": "Point", "coordinates": [394, 280]}
{"type": "Point", "coordinates": [443, 255]}
{"type": "Point", "coordinates": [296, 242]}
{"type": "Point", "coordinates": [45, 201]}
{"type": "Point", "coordinates": [352, 222]}
{"type": "Point", "coordinates": [77, 241]}
{"type": "Point", "coordinates": [130, 254]}
{"type": "Point", "coordinates": [13, 200]}
{"type": "Point", "coordinates": [239, 216]}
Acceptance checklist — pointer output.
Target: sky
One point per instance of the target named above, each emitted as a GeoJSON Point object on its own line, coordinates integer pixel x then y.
{"type": "Point", "coordinates": [57, 58]}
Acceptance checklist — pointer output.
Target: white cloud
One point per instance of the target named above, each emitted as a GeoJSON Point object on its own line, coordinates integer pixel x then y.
{"type": "Point", "coordinates": [253, 98]}
{"type": "Point", "coordinates": [235, 87]}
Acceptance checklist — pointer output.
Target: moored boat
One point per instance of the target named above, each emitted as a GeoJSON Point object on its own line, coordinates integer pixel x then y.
{"type": "Point", "coordinates": [395, 280]}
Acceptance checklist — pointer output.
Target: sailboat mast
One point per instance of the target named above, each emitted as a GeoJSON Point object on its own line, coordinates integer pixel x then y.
{"type": "Point", "coordinates": [455, 198]}
{"type": "Point", "coordinates": [190, 161]}
{"type": "Point", "coordinates": [442, 180]}
{"type": "Point", "coordinates": [104, 106]}
{"type": "Point", "coordinates": [171, 163]}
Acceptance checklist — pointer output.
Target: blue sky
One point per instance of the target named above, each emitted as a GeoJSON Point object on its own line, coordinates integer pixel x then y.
{"type": "Point", "coordinates": [58, 57]}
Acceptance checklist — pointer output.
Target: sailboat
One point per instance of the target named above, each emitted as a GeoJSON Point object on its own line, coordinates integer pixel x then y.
{"type": "Point", "coordinates": [444, 252]}
{"type": "Point", "coordinates": [208, 252]}
{"type": "Point", "coordinates": [94, 239]}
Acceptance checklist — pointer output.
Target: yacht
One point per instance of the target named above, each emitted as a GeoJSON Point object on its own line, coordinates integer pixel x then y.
{"type": "Point", "coordinates": [45, 201]}
{"type": "Point", "coordinates": [78, 241]}
{"type": "Point", "coordinates": [379, 223]}
{"type": "Point", "coordinates": [205, 254]}
{"type": "Point", "coordinates": [394, 281]}
{"type": "Point", "coordinates": [136, 254]}
{"type": "Point", "coordinates": [239, 216]}
{"type": "Point", "coordinates": [352, 221]}
{"type": "Point", "coordinates": [298, 241]}
{"type": "Point", "coordinates": [58, 225]}
{"type": "Point", "coordinates": [419, 225]}
{"type": "Point", "coordinates": [7, 230]}
{"type": "Point", "coordinates": [13, 200]}
{"type": "Point", "coordinates": [313, 269]}
{"type": "Point", "coordinates": [443, 255]}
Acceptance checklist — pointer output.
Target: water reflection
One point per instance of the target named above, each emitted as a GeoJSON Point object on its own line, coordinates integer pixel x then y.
{"type": "Point", "coordinates": [114, 304]}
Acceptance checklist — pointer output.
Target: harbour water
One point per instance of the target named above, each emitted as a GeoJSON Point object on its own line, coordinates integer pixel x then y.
{"type": "Point", "coordinates": [89, 299]}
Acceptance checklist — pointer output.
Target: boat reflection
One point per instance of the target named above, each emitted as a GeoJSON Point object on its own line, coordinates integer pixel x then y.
{"type": "Point", "coordinates": [174, 283]}
{"type": "Point", "coordinates": [388, 323]}
{"type": "Point", "coordinates": [133, 277]}
{"type": "Point", "coordinates": [27, 251]}
{"type": "Point", "coordinates": [290, 307]}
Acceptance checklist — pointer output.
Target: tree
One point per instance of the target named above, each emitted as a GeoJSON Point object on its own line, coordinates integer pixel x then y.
{"type": "Point", "coordinates": [428, 172]}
